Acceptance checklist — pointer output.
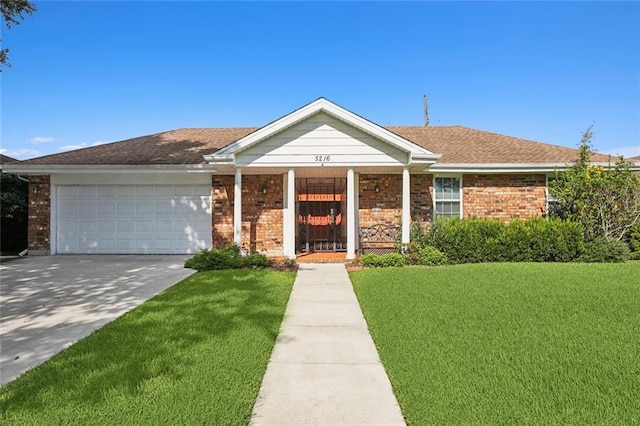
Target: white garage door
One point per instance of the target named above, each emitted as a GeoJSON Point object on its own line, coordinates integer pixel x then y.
{"type": "Point", "coordinates": [159, 219]}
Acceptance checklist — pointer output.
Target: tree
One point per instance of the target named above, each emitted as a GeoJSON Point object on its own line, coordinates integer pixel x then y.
{"type": "Point", "coordinates": [606, 200]}
{"type": "Point", "coordinates": [12, 12]}
{"type": "Point", "coordinates": [13, 213]}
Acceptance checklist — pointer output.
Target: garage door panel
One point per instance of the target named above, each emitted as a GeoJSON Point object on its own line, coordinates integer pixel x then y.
{"type": "Point", "coordinates": [165, 191]}
{"type": "Point", "coordinates": [133, 219]}
{"type": "Point", "coordinates": [107, 208]}
{"type": "Point", "coordinates": [124, 245]}
{"type": "Point", "coordinates": [67, 191]}
{"type": "Point", "coordinates": [67, 245]}
{"type": "Point", "coordinates": [143, 208]}
{"type": "Point", "coordinates": [144, 226]}
{"type": "Point", "coordinates": [164, 225]}
{"type": "Point", "coordinates": [107, 226]}
{"type": "Point", "coordinates": [126, 191]}
{"type": "Point", "coordinates": [145, 191]}
{"type": "Point", "coordinates": [67, 208]}
{"type": "Point", "coordinates": [86, 209]}
{"type": "Point", "coordinates": [87, 191]}
{"type": "Point", "coordinates": [107, 191]}
{"type": "Point", "coordinates": [126, 208]}
{"type": "Point", "coordinates": [85, 227]}
{"type": "Point", "coordinates": [125, 226]}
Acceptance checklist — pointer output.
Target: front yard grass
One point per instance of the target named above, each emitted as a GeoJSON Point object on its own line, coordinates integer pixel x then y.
{"type": "Point", "coordinates": [508, 343]}
{"type": "Point", "coordinates": [194, 354]}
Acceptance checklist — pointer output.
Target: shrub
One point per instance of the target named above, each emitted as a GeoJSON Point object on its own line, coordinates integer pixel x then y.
{"type": "Point", "coordinates": [475, 240]}
{"type": "Point", "coordinates": [372, 260]}
{"type": "Point", "coordinates": [465, 240]}
{"type": "Point", "coordinates": [431, 256]}
{"type": "Point", "coordinates": [257, 261]}
{"type": "Point", "coordinates": [227, 257]}
{"type": "Point", "coordinates": [601, 251]}
{"type": "Point", "coordinates": [540, 240]}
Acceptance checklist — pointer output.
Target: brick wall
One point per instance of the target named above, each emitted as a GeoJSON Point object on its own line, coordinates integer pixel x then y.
{"type": "Point", "coordinates": [380, 207]}
{"type": "Point", "coordinates": [222, 210]}
{"type": "Point", "coordinates": [386, 205]}
{"type": "Point", "coordinates": [422, 198]}
{"type": "Point", "coordinates": [262, 226]}
{"type": "Point", "coordinates": [504, 196]}
{"type": "Point", "coordinates": [39, 229]}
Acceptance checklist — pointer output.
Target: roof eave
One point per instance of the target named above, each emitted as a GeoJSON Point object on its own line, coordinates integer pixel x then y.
{"type": "Point", "coordinates": [496, 167]}
{"type": "Point", "coordinates": [24, 169]}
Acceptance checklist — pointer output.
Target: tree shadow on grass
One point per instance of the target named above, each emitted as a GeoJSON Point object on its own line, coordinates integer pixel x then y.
{"type": "Point", "coordinates": [211, 322]}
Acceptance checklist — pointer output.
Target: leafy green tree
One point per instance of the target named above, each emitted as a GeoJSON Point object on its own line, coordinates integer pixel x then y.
{"type": "Point", "coordinates": [13, 12]}
{"type": "Point", "coordinates": [13, 213]}
{"type": "Point", "coordinates": [606, 200]}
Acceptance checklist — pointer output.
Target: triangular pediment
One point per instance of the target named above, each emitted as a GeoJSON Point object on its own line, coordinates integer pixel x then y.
{"type": "Point", "coordinates": [322, 132]}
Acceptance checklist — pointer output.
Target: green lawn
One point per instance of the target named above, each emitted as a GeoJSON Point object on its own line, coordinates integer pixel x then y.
{"type": "Point", "coordinates": [195, 354]}
{"type": "Point", "coordinates": [509, 343]}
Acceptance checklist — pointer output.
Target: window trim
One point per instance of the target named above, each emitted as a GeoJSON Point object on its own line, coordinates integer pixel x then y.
{"type": "Point", "coordinates": [460, 198]}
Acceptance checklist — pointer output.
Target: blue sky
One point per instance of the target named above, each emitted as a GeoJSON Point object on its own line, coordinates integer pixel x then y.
{"type": "Point", "coordinates": [85, 73]}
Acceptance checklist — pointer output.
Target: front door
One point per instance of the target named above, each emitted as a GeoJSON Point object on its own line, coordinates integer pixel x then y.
{"type": "Point", "coordinates": [321, 207]}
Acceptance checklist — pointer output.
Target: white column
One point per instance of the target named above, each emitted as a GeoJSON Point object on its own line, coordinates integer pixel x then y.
{"type": "Point", "coordinates": [289, 234]}
{"type": "Point", "coordinates": [406, 206]}
{"type": "Point", "coordinates": [351, 215]}
{"type": "Point", "coordinates": [356, 190]}
{"type": "Point", "coordinates": [237, 209]}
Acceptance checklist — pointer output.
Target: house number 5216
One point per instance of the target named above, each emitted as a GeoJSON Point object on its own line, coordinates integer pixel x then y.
{"type": "Point", "coordinates": [323, 158]}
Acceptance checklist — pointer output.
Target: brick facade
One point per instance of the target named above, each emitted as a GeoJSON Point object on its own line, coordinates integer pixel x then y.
{"type": "Point", "coordinates": [222, 210]}
{"type": "Point", "coordinates": [262, 203]}
{"type": "Point", "coordinates": [39, 229]}
{"type": "Point", "coordinates": [262, 227]}
{"type": "Point", "coordinates": [505, 196]}
{"type": "Point", "coordinates": [383, 207]}
{"type": "Point", "coordinates": [386, 206]}
{"type": "Point", "coordinates": [422, 198]}
{"type": "Point", "coordinates": [499, 196]}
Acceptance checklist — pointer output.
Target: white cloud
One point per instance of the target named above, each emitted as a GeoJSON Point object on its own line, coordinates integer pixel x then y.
{"type": "Point", "coordinates": [81, 145]}
{"type": "Point", "coordinates": [20, 154]}
{"type": "Point", "coordinates": [38, 140]}
{"type": "Point", "coordinates": [72, 147]}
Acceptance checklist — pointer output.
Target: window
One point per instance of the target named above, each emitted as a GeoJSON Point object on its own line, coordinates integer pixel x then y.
{"type": "Point", "coordinates": [448, 198]}
{"type": "Point", "coordinates": [553, 205]}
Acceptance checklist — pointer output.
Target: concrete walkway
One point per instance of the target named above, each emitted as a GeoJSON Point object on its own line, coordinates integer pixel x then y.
{"type": "Point", "coordinates": [325, 369]}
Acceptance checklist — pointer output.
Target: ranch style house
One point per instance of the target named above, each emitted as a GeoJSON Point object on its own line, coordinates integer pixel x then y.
{"type": "Point", "coordinates": [314, 180]}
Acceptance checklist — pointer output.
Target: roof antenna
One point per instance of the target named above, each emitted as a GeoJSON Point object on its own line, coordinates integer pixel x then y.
{"type": "Point", "coordinates": [426, 111]}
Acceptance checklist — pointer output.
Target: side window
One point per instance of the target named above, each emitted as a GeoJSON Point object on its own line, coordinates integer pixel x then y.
{"type": "Point", "coordinates": [553, 205]}
{"type": "Point", "coordinates": [447, 197]}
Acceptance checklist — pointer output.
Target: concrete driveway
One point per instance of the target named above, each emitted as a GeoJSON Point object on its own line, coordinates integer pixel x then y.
{"type": "Point", "coordinates": [49, 302]}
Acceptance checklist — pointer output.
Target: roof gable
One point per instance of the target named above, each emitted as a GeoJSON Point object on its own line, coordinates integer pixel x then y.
{"type": "Point", "coordinates": [415, 152]}
{"type": "Point", "coordinates": [321, 140]}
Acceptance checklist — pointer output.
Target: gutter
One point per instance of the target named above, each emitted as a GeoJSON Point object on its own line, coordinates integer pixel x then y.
{"type": "Point", "coordinates": [25, 169]}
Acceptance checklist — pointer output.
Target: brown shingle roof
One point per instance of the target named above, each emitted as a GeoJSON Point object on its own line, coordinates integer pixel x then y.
{"type": "Point", "coordinates": [457, 144]}
{"type": "Point", "coordinates": [6, 159]}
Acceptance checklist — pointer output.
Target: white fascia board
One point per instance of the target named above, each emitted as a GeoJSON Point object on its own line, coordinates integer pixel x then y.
{"type": "Point", "coordinates": [424, 158]}
{"type": "Point", "coordinates": [219, 159]}
{"type": "Point", "coordinates": [307, 111]}
{"type": "Point", "coordinates": [108, 169]}
{"type": "Point", "coordinates": [507, 167]}
{"type": "Point", "coordinates": [495, 167]}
